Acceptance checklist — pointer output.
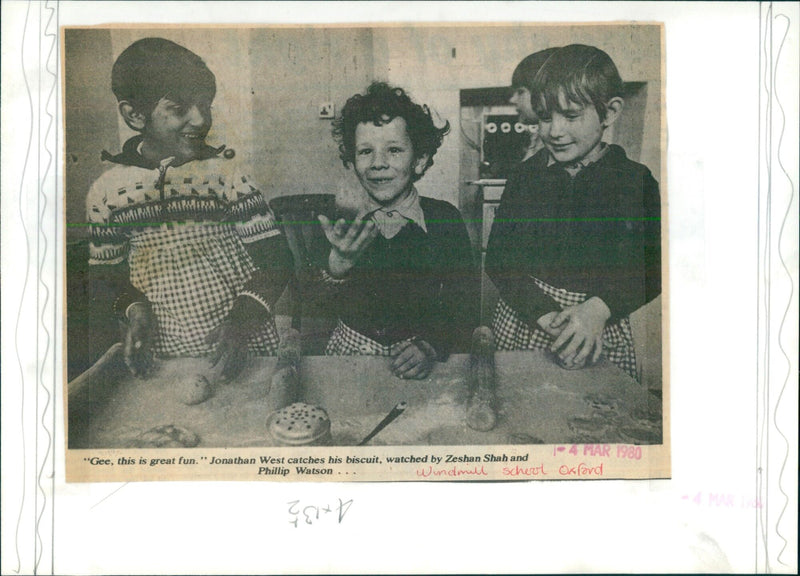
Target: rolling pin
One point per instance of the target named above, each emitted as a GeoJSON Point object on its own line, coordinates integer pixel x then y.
{"type": "Point", "coordinates": [481, 412]}
{"type": "Point", "coordinates": [284, 386]}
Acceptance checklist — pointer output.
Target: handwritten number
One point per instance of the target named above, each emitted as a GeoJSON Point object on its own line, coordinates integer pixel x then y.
{"type": "Point", "coordinates": [292, 504]}
{"type": "Point", "coordinates": [343, 508]}
{"type": "Point", "coordinates": [311, 512]}
{"type": "Point", "coordinates": [305, 513]}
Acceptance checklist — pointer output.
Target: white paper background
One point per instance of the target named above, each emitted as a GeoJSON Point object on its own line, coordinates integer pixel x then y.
{"type": "Point", "coordinates": [713, 85]}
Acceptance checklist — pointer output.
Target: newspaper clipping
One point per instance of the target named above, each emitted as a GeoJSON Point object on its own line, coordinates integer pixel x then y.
{"type": "Point", "coordinates": [365, 253]}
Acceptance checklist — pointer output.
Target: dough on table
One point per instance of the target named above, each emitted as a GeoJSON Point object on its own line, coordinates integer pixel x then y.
{"type": "Point", "coordinates": [166, 436]}
{"type": "Point", "coordinates": [193, 389]}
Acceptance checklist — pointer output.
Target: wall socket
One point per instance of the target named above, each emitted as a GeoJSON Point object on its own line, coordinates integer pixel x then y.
{"type": "Point", "coordinates": [327, 110]}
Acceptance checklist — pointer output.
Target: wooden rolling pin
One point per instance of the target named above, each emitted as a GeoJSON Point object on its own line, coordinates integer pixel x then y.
{"type": "Point", "coordinates": [284, 388]}
{"type": "Point", "coordinates": [481, 407]}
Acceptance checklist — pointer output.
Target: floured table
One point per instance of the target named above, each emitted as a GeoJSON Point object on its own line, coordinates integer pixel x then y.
{"type": "Point", "coordinates": [538, 403]}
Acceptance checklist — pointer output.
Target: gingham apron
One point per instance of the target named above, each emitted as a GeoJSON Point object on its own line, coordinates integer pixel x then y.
{"type": "Point", "coordinates": [191, 274]}
{"type": "Point", "coordinates": [512, 333]}
{"type": "Point", "coordinates": [345, 341]}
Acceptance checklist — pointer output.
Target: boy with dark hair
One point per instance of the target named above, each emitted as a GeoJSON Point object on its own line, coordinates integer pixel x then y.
{"type": "Point", "coordinates": [180, 233]}
{"type": "Point", "coordinates": [522, 87]}
{"type": "Point", "coordinates": [403, 266]}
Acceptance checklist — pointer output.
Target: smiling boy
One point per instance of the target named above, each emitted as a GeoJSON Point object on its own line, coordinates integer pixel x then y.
{"type": "Point", "coordinates": [576, 245]}
{"type": "Point", "coordinates": [404, 268]}
{"type": "Point", "coordinates": [181, 236]}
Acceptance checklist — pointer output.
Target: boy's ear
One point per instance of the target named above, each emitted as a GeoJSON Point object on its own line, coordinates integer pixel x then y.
{"type": "Point", "coordinates": [420, 164]}
{"type": "Point", "coordinates": [613, 111]}
{"type": "Point", "coordinates": [133, 118]}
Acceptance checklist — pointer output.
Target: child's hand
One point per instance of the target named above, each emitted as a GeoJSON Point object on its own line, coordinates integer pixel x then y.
{"type": "Point", "coordinates": [413, 359]}
{"type": "Point", "coordinates": [231, 352]}
{"type": "Point", "coordinates": [138, 351]}
{"type": "Point", "coordinates": [347, 242]}
{"type": "Point", "coordinates": [245, 318]}
{"type": "Point", "coordinates": [545, 324]}
{"type": "Point", "coordinates": [581, 332]}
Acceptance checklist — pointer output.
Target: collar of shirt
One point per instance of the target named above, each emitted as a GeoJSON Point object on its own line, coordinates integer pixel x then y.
{"type": "Point", "coordinates": [391, 219]}
{"type": "Point", "coordinates": [131, 155]}
{"type": "Point", "coordinates": [162, 164]}
{"type": "Point", "coordinates": [576, 167]}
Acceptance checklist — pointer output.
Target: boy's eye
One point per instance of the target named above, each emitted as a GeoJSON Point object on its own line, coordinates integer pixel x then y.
{"type": "Point", "coordinates": [395, 150]}
{"type": "Point", "coordinates": [179, 109]}
{"type": "Point", "coordinates": [363, 151]}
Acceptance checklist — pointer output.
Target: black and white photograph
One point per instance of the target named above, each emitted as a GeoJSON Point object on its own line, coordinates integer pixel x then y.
{"type": "Point", "coordinates": [399, 287]}
{"type": "Point", "coordinates": [354, 236]}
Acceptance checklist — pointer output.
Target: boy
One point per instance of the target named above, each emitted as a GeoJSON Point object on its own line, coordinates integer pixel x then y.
{"type": "Point", "coordinates": [186, 242]}
{"type": "Point", "coordinates": [522, 85]}
{"type": "Point", "coordinates": [575, 247]}
{"type": "Point", "coordinates": [407, 284]}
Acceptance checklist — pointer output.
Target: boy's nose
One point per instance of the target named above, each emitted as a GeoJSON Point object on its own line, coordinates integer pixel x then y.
{"type": "Point", "coordinates": [196, 116]}
{"type": "Point", "coordinates": [379, 160]}
{"type": "Point", "coordinates": [557, 125]}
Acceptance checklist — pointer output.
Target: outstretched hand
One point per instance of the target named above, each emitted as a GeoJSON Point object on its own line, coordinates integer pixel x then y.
{"type": "Point", "coordinates": [348, 242]}
{"type": "Point", "coordinates": [581, 332]}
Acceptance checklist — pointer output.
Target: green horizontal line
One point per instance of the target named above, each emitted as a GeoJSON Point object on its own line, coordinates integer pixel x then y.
{"type": "Point", "coordinates": [598, 219]}
{"type": "Point", "coordinates": [307, 222]}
